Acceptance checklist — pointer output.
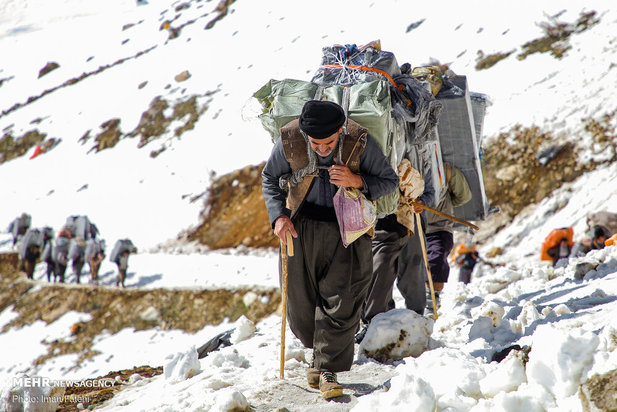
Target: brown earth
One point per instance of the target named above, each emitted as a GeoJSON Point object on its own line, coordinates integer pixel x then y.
{"type": "Point", "coordinates": [235, 212]}
{"type": "Point", "coordinates": [599, 393]}
{"type": "Point", "coordinates": [514, 177]}
{"type": "Point", "coordinates": [91, 396]}
{"type": "Point", "coordinates": [555, 40]}
{"type": "Point", "coordinates": [557, 34]}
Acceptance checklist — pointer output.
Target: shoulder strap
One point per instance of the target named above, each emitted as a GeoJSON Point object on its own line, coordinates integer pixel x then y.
{"type": "Point", "coordinates": [354, 144]}
{"type": "Point", "coordinates": [294, 145]}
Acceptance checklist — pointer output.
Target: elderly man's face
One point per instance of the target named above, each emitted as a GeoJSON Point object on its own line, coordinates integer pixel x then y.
{"type": "Point", "coordinates": [323, 147]}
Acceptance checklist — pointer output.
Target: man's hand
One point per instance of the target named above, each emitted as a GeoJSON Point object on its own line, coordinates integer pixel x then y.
{"type": "Point", "coordinates": [417, 209]}
{"type": "Point", "coordinates": [281, 226]}
{"type": "Point", "coordinates": [341, 175]}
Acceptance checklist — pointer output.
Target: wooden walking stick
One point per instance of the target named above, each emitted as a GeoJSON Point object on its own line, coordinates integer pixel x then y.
{"type": "Point", "coordinates": [428, 269]}
{"type": "Point", "coordinates": [437, 212]}
{"type": "Point", "coordinates": [284, 253]}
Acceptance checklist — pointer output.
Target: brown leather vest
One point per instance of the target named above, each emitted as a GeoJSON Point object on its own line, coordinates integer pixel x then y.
{"type": "Point", "coordinates": [294, 147]}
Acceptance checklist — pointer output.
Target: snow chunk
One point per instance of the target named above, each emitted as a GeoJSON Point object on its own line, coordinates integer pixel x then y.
{"type": "Point", "coordinates": [491, 310]}
{"type": "Point", "coordinates": [134, 378]}
{"type": "Point", "coordinates": [408, 393]}
{"type": "Point", "coordinates": [150, 315]}
{"type": "Point", "coordinates": [528, 398]}
{"type": "Point", "coordinates": [231, 400]}
{"type": "Point", "coordinates": [244, 328]}
{"type": "Point", "coordinates": [182, 366]}
{"type": "Point", "coordinates": [507, 377]}
{"type": "Point", "coordinates": [227, 360]}
{"type": "Point", "coordinates": [450, 372]}
{"type": "Point", "coordinates": [481, 328]}
{"type": "Point", "coordinates": [529, 314]}
{"type": "Point", "coordinates": [396, 334]}
{"type": "Point", "coordinates": [558, 359]}
{"type": "Point", "coordinates": [249, 298]}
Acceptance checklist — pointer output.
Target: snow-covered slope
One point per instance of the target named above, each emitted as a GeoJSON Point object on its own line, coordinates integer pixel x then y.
{"type": "Point", "coordinates": [123, 46]}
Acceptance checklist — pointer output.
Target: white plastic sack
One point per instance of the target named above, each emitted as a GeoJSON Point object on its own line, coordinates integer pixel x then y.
{"type": "Point", "coordinates": [355, 214]}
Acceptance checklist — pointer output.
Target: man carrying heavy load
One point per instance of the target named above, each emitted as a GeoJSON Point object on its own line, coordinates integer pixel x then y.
{"type": "Point", "coordinates": [328, 281]}
{"type": "Point", "coordinates": [439, 235]}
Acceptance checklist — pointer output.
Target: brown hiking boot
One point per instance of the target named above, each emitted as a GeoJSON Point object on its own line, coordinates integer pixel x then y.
{"type": "Point", "coordinates": [329, 386]}
{"type": "Point", "coordinates": [312, 376]}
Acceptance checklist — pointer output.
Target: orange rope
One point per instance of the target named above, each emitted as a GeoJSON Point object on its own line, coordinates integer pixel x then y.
{"type": "Point", "coordinates": [370, 69]}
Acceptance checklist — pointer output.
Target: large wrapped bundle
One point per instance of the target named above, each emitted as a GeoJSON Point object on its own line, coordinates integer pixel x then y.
{"type": "Point", "coordinates": [414, 105]}
{"type": "Point", "coordinates": [460, 145]}
{"type": "Point", "coordinates": [350, 64]}
{"type": "Point", "coordinates": [397, 109]}
{"type": "Point", "coordinates": [121, 246]}
{"type": "Point", "coordinates": [33, 237]}
{"type": "Point", "coordinates": [80, 226]}
{"type": "Point", "coordinates": [60, 250]}
{"type": "Point", "coordinates": [20, 225]}
{"type": "Point", "coordinates": [93, 247]}
{"type": "Point", "coordinates": [603, 218]}
{"type": "Point", "coordinates": [77, 249]}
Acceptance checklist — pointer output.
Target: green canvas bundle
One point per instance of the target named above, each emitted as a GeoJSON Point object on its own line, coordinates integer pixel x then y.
{"type": "Point", "coordinates": [367, 103]}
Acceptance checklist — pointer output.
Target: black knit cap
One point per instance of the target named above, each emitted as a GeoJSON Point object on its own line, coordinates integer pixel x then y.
{"type": "Point", "coordinates": [599, 231]}
{"type": "Point", "coordinates": [320, 118]}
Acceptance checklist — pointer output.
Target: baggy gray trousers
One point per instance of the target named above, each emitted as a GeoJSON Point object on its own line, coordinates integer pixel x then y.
{"type": "Point", "coordinates": [396, 258]}
{"type": "Point", "coordinates": [387, 248]}
{"type": "Point", "coordinates": [411, 281]}
{"type": "Point", "coordinates": [326, 287]}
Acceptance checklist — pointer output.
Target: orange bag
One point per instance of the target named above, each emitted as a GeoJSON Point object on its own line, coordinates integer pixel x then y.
{"type": "Point", "coordinates": [553, 239]}
{"type": "Point", "coordinates": [611, 240]}
{"type": "Point", "coordinates": [461, 249]}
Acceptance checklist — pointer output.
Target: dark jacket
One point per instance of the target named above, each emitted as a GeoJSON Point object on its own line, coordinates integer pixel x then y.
{"type": "Point", "coordinates": [555, 254]}
{"type": "Point", "coordinates": [378, 176]}
{"type": "Point", "coordinates": [32, 253]}
{"type": "Point", "coordinates": [457, 193]}
{"type": "Point", "coordinates": [467, 260]}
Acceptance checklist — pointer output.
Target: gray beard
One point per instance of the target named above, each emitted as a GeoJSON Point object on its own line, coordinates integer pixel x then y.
{"type": "Point", "coordinates": [327, 157]}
